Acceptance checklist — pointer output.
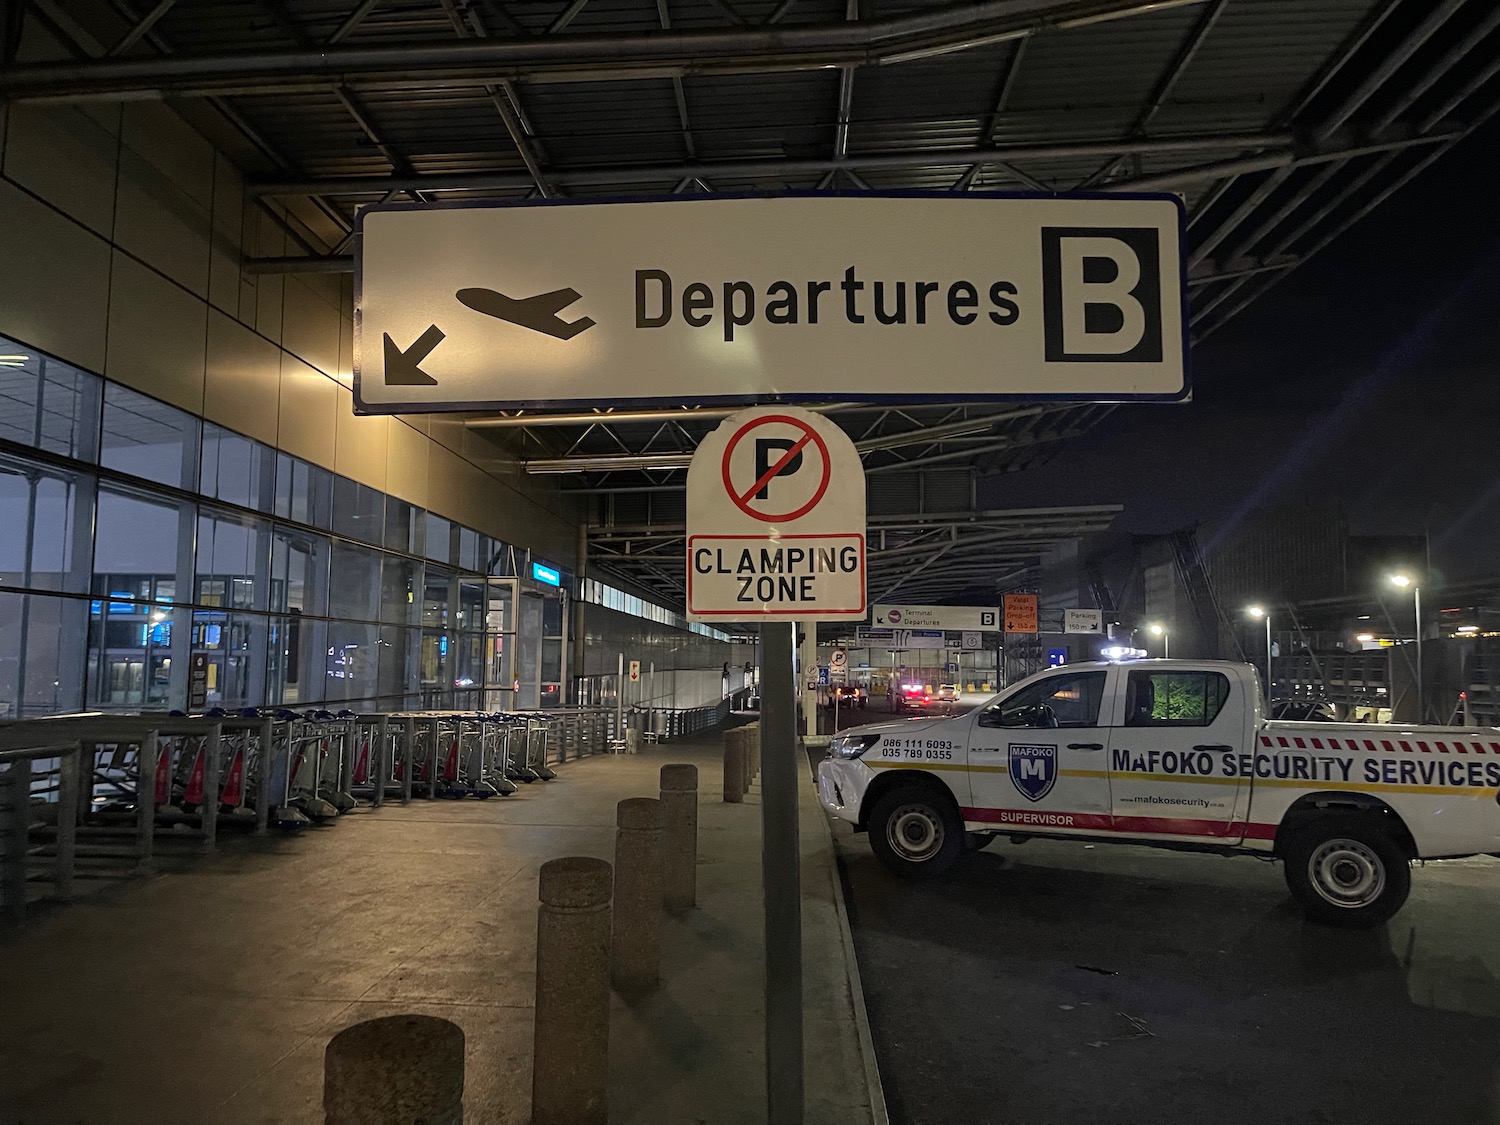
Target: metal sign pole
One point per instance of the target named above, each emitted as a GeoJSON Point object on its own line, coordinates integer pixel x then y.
{"type": "Point", "coordinates": [779, 868]}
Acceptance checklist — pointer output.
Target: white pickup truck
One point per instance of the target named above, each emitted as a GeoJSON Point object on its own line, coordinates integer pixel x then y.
{"type": "Point", "coordinates": [1174, 753]}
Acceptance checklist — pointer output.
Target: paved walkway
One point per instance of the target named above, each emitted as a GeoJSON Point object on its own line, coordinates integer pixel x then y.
{"type": "Point", "coordinates": [207, 996]}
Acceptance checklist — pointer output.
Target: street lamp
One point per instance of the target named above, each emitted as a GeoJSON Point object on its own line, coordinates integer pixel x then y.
{"type": "Point", "coordinates": [1160, 630]}
{"type": "Point", "coordinates": [1404, 581]}
{"type": "Point", "coordinates": [1262, 611]}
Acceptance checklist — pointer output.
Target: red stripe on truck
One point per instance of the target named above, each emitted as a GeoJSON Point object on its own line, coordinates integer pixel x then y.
{"type": "Point", "coordinates": [1098, 822]}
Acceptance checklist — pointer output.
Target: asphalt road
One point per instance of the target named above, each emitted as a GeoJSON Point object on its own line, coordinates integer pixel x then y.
{"type": "Point", "coordinates": [1053, 983]}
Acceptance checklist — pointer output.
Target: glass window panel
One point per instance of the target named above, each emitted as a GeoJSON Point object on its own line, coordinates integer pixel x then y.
{"type": "Point", "coordinates": [438, 541]}
{"type": "Point", "coordinates": [303, 492]}
{"type": "Point", "coordinates": [353, 662]}
{"type": "Point", "coordinates": [400, 581]}
{"type": "Point", "coordinates": [434, 662]}
{"type": "Point", "coordinates": [354, 583]}
{"type": "Point", "coordinates": [46, 515]}
{"type": "Point", "coordinates": [130, 655]}
{"type": "Point", "coordinates": [399, 650]}
{"type": "Point", "coordinates": [358, 512]}
{"type": "Point", "coordinates": [299, 572]}
{"type": "Point", "coordinates": [236, 469]}
{"type": "Point", "coordinates": [233, 558]}
{"type": "Point", "coordinates": [471, 613]}
{"type": "Point", "coordinates": [232, 647]}
{"type": "Point", "coordinates": [41, 654]}
{"type": "Point", "coordinates": [401, 523]}
{"type": "Point", "coordinates": [468, 550]}
{"type": "Point", "coordinates": [47, 403]}
{"type": "Point", "coordinates": [135, 545]}
{"type": "Point", "coordinates": [148, 439]}
{"type": "Point", "coordinates": [296, 656]}
{"type": "Point", "coordinates": [498, 614]}
{"type": "Point", "coordinates": [436, 591]}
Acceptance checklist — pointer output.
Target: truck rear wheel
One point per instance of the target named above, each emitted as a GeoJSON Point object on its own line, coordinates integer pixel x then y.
{"type": "Point", "coordinates": [1347, 870]}
{"type": "Point", "coordinates": [916, 832]}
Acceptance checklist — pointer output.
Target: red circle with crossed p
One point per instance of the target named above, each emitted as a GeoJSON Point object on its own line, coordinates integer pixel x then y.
{"type": "Point", "coordinates": [746, 490]}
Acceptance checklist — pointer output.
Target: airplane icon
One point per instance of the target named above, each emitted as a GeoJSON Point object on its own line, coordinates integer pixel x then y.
{"type": "Point", "coordinates": [537, 313]}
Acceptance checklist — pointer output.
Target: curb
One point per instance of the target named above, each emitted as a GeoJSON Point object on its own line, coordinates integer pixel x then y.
{"type": "Point", "coordinates": [873, 1087]}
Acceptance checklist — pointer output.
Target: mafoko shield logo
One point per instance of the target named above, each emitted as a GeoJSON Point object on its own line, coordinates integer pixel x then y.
{"type": "Point", "coordinates": [1101, 294]}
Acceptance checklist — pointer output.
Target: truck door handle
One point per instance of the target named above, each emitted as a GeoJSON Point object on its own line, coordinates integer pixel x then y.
{"type": "Point", "coordinates": [1214, 748]}
{"type": "Point", "coordinates": [1085, 746]}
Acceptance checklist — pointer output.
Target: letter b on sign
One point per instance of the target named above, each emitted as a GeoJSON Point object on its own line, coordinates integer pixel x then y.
{"type": "Point", "coordinates": [1101, 294]}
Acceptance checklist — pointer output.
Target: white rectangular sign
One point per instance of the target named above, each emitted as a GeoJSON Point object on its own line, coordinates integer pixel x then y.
{"type": "Point", "coordinates": [959, 617]}
{"type": "Point", "coordinates": [797, 575]}
{"type": "Point", "coordinates": [919, 639]}
{"type": "Point", "coordinates": [1083, 621]}
{"type": "Point", "coordinates": [951, 296]}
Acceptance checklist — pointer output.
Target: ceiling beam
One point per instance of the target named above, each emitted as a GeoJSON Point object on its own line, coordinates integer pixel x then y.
{"type": "Point", "coordinates": [580, 57]}
{"type": "Point", "coordinates": [608, 175]}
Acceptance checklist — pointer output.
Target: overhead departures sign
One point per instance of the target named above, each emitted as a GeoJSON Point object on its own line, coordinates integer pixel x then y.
{"type": "Point", "coordinates": [968, 296]}
{"type": "Point", "coordinates": [776, 520]}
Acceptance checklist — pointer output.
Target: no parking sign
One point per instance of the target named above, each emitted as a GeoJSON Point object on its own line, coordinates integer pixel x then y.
{"type": "Point", "coordinates": [776, 520]}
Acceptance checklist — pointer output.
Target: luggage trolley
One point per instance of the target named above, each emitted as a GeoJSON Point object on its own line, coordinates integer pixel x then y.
{"type": "Point", "coordinates": [536, 747]}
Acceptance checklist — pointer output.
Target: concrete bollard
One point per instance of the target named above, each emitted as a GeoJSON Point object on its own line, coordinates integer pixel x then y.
{"type": "Point", "coordinates": [745, 759]}
{"type": "Point", "coordinates": [635, 953]}
{"type": "Point", "coordinates": [393, 1071]}
{"type": "Point", "coordinates": [570, 1067]}
{"type": "Point", "coordinates": [734, 767]}
{"type": "Point", "coordinates": [679, 814]}
{"type": "Point", "coordinates": [754, 749]}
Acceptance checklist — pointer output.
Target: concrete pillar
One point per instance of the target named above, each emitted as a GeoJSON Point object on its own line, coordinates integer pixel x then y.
{"type": "Point", "coordinates": [570, 1068]}
{"type": "Point", "coordinates": [679, 814]}
{"type": "Point", "coordinates": [395, 1070]}
{"type": "Point", "coordinates": [635, 954]}
{"type": "Point", "coordinates": [734, 766]}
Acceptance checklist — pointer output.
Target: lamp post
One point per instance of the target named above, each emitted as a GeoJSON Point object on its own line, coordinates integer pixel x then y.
{"type": "Point", "coordinates": [1160, 630]}
{"type": "Point", "coordinates": [1262, 611]}
{"type": "Point", "coordinates": [1404, 581]}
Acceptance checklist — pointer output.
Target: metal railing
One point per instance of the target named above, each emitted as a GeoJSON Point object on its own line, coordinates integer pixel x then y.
{"type": "Point", "coordinates": [121, 780]}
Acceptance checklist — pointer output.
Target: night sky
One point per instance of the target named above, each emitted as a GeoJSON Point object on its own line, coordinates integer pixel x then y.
{"type": "Point", "coordinates": [1369, 376]}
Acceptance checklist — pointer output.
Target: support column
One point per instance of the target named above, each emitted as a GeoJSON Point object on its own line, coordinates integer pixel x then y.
{"type": "Point", "coordinates": [780, 849]}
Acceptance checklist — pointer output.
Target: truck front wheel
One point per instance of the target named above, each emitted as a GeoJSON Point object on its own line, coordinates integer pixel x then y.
{"type": "Point", "coordinates": [915, 832]}
{"type": "Point", "coordinates": [1347, 870]}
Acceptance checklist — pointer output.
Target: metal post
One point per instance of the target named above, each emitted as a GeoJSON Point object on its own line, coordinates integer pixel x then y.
{"type": "Point", "coordinates": [211, 786]}
{"type": "Point", "coordinates": [17, 780]}
{"type": "Point", "coordinates": [382, 756]}
{"type": "Point", "coordinates": [780, 851]}
{"type": "Point", "coordinates": [1268, 660]}
{"type": "Point", "coordinates": [435, 736]}
{"type": "Point", "coordinates": [411, 754]}
{"type": "Point", "coordinates": [1417, 604]}
{"type": "Point", "coordinates": [267, 738]}
{"type": "Point", "coordinates": [69, 788]}
{"type": "Point", "coordinates": [147, 754]}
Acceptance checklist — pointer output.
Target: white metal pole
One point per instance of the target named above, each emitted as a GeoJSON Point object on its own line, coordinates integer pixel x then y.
{"type": "Point", "coordinates": [1268, 657]}
{"type": "Point", "coordinates": [1417, 605]}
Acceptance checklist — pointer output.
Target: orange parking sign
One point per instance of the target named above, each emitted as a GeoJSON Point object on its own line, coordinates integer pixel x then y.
{"type": "Point", "coordinates": [1020, 613]}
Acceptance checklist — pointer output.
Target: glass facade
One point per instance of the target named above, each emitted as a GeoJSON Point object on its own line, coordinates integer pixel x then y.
{"type": "Point", "coordinates": [135, 536]}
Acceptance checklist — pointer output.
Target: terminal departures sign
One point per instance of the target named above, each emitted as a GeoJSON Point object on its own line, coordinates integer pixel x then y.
{"type": "Point", "coordinates": [950, 296]}
{"type": "Point", "coordinates": [776, 520]}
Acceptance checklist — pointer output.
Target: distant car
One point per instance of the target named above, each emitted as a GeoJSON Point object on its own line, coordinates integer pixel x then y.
{"type": "Point", "coordinates": [947, 693]}
{"type": "Point", "coordinates": [1303, 711]}
{"type": "Point", "coordinates": [913, 697]}
{"type": "Point", "coordinates": [850, 695]}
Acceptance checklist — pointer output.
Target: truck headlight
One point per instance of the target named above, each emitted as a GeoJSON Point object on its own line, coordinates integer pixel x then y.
{"type": "Point", "coordinates": [852, 745]}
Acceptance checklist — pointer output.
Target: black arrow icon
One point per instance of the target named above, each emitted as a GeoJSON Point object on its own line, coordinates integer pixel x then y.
{"type": "Point", "coordinates": [404, 368]}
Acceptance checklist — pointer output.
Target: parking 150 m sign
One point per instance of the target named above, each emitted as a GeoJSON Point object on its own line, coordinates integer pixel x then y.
{"type": "Point", "coordinates": [813, 298]}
